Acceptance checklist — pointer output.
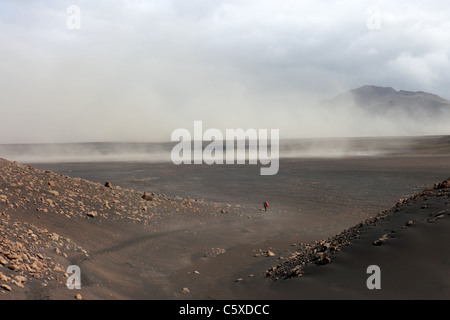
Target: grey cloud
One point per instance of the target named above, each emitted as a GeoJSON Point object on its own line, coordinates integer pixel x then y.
{"type": "Point", "coordinates": [136, 70]}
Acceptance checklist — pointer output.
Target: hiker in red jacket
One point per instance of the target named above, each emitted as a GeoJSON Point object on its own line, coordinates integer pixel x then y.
{"type": "Point", "coordinates": [266, 205]}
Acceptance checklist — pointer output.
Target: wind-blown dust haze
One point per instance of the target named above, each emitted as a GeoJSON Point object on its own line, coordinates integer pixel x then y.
{"type": "Point", "coordinates": [134, 71]}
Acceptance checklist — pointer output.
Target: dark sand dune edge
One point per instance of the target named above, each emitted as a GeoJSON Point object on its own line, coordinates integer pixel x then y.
{"type": "Point", "coordinates": [180, 248]}
{"type": "Point", "coordinates": [433, 203]}
{"type": "Point", "coordinates": [409, 244]}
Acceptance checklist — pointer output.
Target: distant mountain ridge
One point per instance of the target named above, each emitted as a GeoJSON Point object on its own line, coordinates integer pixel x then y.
{"type": "Point", "coordinates": [382, 100]}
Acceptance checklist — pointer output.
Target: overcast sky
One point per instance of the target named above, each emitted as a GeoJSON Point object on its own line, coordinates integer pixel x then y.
{"type": "Point", "coordinates": [137, 70]}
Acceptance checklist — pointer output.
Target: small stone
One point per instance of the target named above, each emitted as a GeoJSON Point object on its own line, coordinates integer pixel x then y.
{"type": "Point", "coordinates": [4, 278]}
{"type": "Point", "coordinates": [324, 260]}
{"type": "Point", "coordinates": [59, 269]}
{"type": "Point", "coordinates": [54, 192]}
{"type": "Point", "coordinates": [20, 279]}
{"type": "Point", "coordinates": [6, 287]}
{"type": "Point", "coordinates": [186, 290]}
{"type": "Point", "coordinates": [54, 236]}
{"type": "Point", "coordinates": [108, 184]}
{"type": "Point", "coordinates": [380, 240]}
{"type": "Point", "coordinates": [37, 265]}
{"type": "Point", "coordinates": [78, 297]}
{"type": "Point", "coordinates": [147, 197]}
{"type": "Point", "coordinates": [14, 267]}
{"type": "Point", "coordinates": [269, 253]}
{"type": "Point", "coordinates": [92, 214]}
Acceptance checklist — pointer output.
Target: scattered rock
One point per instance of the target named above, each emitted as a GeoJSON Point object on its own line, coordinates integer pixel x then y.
{"type": "Point", "coordinates": [14, 267]}
{"type": "Point", "coordinates": [4, 278]}
{"type": "Point", "coordinates": [442, 185]}
{"type": "Point", "coordinates": [54, 236]}
{"type": "Point", "coordinates": [78, 297]}
{"type": "Point", "coordinates": [108, 184]}
{"type": "Point", "coordinates": [409, 223]}
{"type": "Point", "coordinates": [324, 260]}
{"type": "Point", "coordinates": [59, 269]}
{"type": "Point", "coordinates": [37, 265]}
{"type": "Point", "coordinates": [439, 215]}
{"type": "Point", "coordinates": [20, 279]}
{"type": "Point", "coordinates": [214, 252]}
{"type": "Point", "coordinates": [6, 287]}
{"type": "Point", "coordinates": [147, 197]}
{"type": "Point", "coordinates": [380, 241]}
{"type": "Point", "coordinates": [269, 253]}
{"type": "Point", "coordinates": [92, 214]}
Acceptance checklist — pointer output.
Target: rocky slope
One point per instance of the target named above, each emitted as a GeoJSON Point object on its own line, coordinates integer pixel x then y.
{"type": "Point", "coordinates": [36, 206]}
